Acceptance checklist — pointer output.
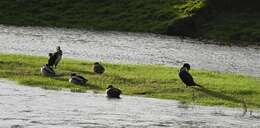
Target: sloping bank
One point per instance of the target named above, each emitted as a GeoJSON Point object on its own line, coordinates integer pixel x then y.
{"type": "Point", "coordinates": [157, 81]}
{"type": "Point", "coordinates": [231, 21]}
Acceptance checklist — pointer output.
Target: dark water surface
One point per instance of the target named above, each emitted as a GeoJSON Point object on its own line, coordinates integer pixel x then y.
{"type": "Point", "coordinates": [118, 47]}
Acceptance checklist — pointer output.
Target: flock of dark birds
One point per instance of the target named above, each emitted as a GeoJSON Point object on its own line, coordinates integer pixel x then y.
{"type": "Point", "coordinates": [112, 92]}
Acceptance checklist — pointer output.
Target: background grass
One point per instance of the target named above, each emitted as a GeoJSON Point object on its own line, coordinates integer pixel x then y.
{"type": "Point", "coordinates": [228, 21]}
{"type": "Point", "coordinates": [156, 81]}
{"type": "Point", "coordinates": [124, 15]}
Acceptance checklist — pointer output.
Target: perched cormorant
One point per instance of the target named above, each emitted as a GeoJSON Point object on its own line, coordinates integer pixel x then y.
{"type": "Point", "coordinates": [98, 68]}
{"type": "Point", "coordinates": [186, 76]}
{"type": "Point", "coordinates": [113, 92]}
{"type": "Point", "coordinates": [51, 60]}
{"type": "Point", "coordinates": [58, 56]}
{"type": "Point", "coordinates": [77, 79]}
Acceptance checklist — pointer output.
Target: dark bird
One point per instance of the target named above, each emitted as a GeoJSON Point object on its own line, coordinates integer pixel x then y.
{"type": "Point", "coordinates": [57, 55]}
{"type": "Point", "coordinates": [51, 60]}
{"type": "Point", "coordinates": [47, 70]}
{"type": "Point", "coordinates": [186, 76]}
{"type": "Point", "coordinates": [113, 92]}
{"type": "Point", "coordinates": [77, 79]}
{"type": "Point", "coordinates": [98, 68]}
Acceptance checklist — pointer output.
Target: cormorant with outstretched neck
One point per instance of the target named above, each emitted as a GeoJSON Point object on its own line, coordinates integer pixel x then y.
{"type": "Point", "coordinates": [98, 68]}
{"type": "Point", "coordinates": [186, 76]}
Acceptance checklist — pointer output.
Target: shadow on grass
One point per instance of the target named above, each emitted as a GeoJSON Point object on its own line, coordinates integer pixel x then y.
{"type": "Point", "coordinates": [227, 97]}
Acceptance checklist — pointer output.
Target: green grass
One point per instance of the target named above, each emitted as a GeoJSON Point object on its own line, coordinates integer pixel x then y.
{"type": "Point", "coordinates": [123, 15]}
{"type": "Point", "coordinates": [235, 28]}
{"type": "Point", "coordinates": [146, 80]}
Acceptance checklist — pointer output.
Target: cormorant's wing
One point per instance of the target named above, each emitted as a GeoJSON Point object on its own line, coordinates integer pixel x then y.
{"type": "Point", "coordinates": [99, 68]}
{"type": "Point", "coordinates": [57, 58]}
{"type": "Point", "coordinates": [82, 77]}
{"type": "Point", "coordinates": [187, 78]}
{"type": "Point", "coordinates": [118, 91]}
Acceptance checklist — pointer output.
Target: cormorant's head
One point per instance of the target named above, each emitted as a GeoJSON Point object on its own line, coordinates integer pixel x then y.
{"type": "Point", "coordinates": [110, 86]}
{"type": "Point", "coordinates": [73, 74]}
{"type": "Point", "coordinates": [96, 63]}
{"type": "Point", "coordinates": [186, 65]}
{"type": "Point", "coordinates": [50, 54]}
{"type": "Point", "coordinates": [58, 48]}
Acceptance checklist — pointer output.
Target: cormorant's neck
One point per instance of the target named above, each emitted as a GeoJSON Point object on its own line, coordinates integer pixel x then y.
{"type": "Point", "coordinates": [184, 69]}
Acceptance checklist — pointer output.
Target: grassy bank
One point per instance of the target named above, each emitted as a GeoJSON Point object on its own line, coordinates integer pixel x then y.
{"type": "Point", "coordinates": [230, 21]}
{"type": "Point", "coordinates": [124, 15]}
{"type": "Point", "coordinates": [146, 80]}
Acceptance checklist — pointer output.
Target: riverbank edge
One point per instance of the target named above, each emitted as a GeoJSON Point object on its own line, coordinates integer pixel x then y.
{"type": "Point", "coordinates": [133, 79]}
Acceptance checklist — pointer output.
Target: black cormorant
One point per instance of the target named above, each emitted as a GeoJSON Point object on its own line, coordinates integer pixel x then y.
{"type": "Point", "coordinates": [77, 79]}
{"type": "Point", "coordinates": [186, 76]}
{"type": "Point", "coordinates": [113, 92]}
{"type": "Point", "coordinates": [98, 68]}
{"type": "Point", "coordinates": [58, 56]}
{"type": "Point", "coordinates": [51, 60]}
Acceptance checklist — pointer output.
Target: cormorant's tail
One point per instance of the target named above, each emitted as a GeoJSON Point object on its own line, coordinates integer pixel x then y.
{"type": "Point", "coordinates": [198, 85]}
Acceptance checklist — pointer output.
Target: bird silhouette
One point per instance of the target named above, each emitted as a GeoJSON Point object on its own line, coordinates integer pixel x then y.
{"type": "Point", "coordinates": [113, 92]}
{"type": "Point", "coordinates": [186, 77]}
{"type": "Point", "coordinates": [98, 68]}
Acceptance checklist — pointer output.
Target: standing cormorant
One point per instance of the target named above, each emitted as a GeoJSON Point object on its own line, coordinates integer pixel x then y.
{"type": "Point", "coordinates": [58, 56]}
{"type": "Point", "coordinates": [186, 76]}
{"type": "Point", "coordinates": [51, 60]}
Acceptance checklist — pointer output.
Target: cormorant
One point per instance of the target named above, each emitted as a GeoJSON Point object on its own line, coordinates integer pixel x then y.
{"type": "Point", "coordinates": [77, 79]}
{"type": "Point", "coordinates": [98, 68]}
{"type": "Point", "coordinates": [186, 76]}
{"type": "Point", "coordinates": [113, 92]}
{"type": "Point", "coordinates": [51, 60]}
{"type": "Point", "coordinates": [47, 70]}
{"type": "Point", "coordinates": [58, 56]}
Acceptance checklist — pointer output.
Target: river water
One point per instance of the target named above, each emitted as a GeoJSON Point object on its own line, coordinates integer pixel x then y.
{"type": "Point", "coordinates": [122, 47]}
{"type": "Point", "coordinates": [28, 107]}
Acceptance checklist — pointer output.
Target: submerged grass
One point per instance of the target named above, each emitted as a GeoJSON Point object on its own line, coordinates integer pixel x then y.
{"type": "Point", "coordinates": [156, 81]}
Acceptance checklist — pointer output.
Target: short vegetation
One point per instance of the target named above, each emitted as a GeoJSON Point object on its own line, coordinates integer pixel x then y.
{"type": "Point", "coordinates": [156, 81]}
{"type": "Point", "coordinates": [230, 21]}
